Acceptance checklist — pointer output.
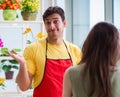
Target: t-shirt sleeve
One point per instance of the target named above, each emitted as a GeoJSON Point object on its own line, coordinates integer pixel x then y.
{"type": "Point", "coordinates": [28, 55]}
{"type": "Point", "coordinates": [76, 54]}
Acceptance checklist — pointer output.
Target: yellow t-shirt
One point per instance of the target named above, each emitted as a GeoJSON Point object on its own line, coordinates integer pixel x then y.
{"type": "Point", "coordinates": [35, 56]}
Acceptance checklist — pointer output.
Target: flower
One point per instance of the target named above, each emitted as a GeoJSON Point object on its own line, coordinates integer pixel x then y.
{"type": "Point", "coordinates": [1, 42]}
{"type": "Point", "coordinates": [28, 30]}
{"type": "Point", "coordinates": [30, 5]}
{"type": "Point", "coordinates": [9, 4]}
{"type": "Point", "coordinates": [2, 80]}
{"type": "Point", "coordinates": [38, 36]}
{"type": "Point", "coordinates": [41, 35]}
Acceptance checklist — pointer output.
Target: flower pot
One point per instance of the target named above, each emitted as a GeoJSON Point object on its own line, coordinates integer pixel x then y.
{"type": "Point", "coordinates": [9, 75]}
{"type": "Point", "coordinates": [9, 14]}
{"type": "Point", "coordinates": [29, 16]}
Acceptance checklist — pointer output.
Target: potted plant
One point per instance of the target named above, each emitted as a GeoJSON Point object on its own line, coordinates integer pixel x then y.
{"type": "Point", "coordinates": [29, 9]}
{"type": "Point", "coordinates": [9, 8]}
{"type": "Point", "coordinates": [8, 66]}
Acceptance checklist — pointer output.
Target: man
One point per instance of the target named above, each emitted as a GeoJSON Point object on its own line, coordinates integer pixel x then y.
{"type": "Point", "coordinates": [46, 60]}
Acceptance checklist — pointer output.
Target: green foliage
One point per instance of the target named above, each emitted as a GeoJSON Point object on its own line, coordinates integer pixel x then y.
{"type": "Point", "coordinates": [8, 66]}
{"type": "Point", "coordinates": [30, 5]}
{"type": "Point", "coordinates": [13, 61]}
{"type": "Point", "coordinates": [29, 42]}
{"type": "Point", "coordinates": [17, 50]}
{"type": "Point", "coordinates": [2, 51]}
{"type": "Point", "coordinates": [1, 1]}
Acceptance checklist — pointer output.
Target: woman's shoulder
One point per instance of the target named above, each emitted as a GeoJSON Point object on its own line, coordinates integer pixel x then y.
{"type": "Point", "coordinates": [115, 75]}
{"type": "Point", "coordinates": [115, 82]}
{"type": "Point", "coordinates": [75, 69]}
{"type": "Point", "coordinates": [75, 73]}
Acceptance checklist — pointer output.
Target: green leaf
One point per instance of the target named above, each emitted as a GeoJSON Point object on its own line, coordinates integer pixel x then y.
{"type": "Point", "coordinates": [7, 68]}
{"type": "Point", "coordinates": [1, 1]}
{"type": "Point", "coordinates": [2, 61]}
{"type": "Point", "coordinates": [17, 49]}
{"type": "Point", "coordinates": [3, 53]}
{"type": "Point", "coordinates": [15, 67]}
{"type": "Point", "coordinates": [29, 42]}
{"type": "Point", "coordinates": [13, 61]}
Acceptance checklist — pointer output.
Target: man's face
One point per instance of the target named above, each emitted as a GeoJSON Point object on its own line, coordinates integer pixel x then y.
{"type": "Point", "coordinates": [54, 26]}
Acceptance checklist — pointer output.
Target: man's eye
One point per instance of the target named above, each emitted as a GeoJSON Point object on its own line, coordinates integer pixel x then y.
{"type": "Point", "coordinates": [56, 21]}
{"type": "Point", "coordinates": [47, 23]}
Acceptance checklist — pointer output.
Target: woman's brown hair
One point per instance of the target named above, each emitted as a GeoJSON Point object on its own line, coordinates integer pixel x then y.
{"type": "Point", "coordinates": [100, 51]}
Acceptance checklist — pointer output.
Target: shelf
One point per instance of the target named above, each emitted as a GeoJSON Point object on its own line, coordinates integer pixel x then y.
{"type": "Point", "coordinates": [12, 93]}
{"type": "Point", "coordinates": [5, 58]}
{"type": "Point", "coordinates": [12, 26]}
{"type": "Point", "coordinates": [21, 22]}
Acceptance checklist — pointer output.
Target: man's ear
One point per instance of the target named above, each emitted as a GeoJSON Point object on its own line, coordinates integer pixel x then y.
{"type": "Point", "coordinates": [64, 23]}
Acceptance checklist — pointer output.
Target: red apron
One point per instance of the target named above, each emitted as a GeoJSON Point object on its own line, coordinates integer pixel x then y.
{"type": "Point", "coordinates": [52, 82]}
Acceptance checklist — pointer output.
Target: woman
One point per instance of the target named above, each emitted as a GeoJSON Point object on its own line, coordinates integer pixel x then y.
{"type": "Point", "coordinates": [98, 74]}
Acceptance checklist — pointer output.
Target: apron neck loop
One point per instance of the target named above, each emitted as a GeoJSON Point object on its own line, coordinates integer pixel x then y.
{"type": "Point", "coordinates": [65, 47]}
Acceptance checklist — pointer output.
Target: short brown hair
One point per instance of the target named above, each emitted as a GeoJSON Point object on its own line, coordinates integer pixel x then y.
{"type": "Point", "coordinates": [51, 10]}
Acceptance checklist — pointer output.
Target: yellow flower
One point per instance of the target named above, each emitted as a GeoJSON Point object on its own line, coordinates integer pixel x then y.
{"type": "Point", "coordinates": [28, 30]}
{"type": "Point", "coordinates": [2, 80]}
{"type": "Point", "coordinates": [41, 35]}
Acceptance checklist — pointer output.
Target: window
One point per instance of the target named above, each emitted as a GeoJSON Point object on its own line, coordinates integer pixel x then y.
{"type": "Point", "coordinates": [81, 17]}
{"type": "Point", "coordinates": [96, 11]}
{"type": "Point", "coordinates": [117, 13]}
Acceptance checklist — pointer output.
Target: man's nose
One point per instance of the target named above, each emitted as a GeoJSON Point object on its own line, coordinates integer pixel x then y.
{"type": "Point", "coordinates": [52, 25]}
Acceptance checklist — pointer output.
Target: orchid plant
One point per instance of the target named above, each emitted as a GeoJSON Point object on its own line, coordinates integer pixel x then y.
{"type": "Point", "coordinates": [1, 42]}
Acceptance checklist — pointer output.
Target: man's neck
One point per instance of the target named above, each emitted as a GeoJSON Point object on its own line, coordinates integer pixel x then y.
{"type": "Point", "coordinates": [55, 41]}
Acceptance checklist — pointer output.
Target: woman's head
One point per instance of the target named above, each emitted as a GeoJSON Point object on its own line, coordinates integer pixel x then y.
{"type": "Point", "coordinates": [100, 52]}
{"type": "Point", "coordinates": [101, 44]}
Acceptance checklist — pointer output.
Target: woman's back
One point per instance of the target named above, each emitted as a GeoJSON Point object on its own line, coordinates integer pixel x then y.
{"type": "Point", "coordinates": [75, 74]}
